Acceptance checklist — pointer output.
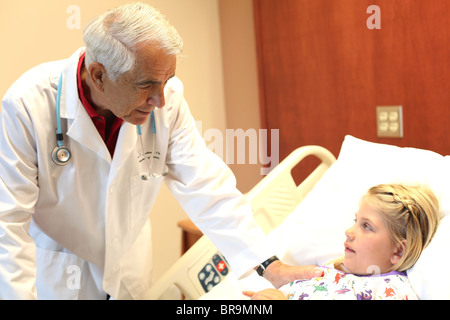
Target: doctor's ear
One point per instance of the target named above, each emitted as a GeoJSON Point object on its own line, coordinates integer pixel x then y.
{"type": "Point", "coordinates": [97, 73]}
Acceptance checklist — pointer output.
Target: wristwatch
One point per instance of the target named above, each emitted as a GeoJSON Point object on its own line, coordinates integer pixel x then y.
{"type": "Point", "coordinates": [263, 266]}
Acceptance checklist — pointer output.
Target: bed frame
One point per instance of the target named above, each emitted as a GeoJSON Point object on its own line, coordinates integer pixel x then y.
{"type": "Point", "coordinates": [272, 199]}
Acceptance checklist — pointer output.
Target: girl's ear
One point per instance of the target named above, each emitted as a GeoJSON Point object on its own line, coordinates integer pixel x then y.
{"type": "Point", "coordinates": [399, 250]}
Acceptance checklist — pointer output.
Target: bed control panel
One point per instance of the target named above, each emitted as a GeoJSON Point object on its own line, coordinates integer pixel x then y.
{"type": "Point", "coordinates": [213, 272]}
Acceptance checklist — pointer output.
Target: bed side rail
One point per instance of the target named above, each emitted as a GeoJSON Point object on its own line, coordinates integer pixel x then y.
{"type": "Point", "coordinates": [277, 195]}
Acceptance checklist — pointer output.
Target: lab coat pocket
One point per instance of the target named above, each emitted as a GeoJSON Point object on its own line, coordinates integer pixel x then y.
{"type": "Point", "coordinates": [143, 194]}
{"type": "Point", "coordinates": [58, 275]}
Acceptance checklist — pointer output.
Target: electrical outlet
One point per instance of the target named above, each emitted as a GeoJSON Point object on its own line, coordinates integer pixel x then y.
{"type": "Point", "coordinates": [389, 122]}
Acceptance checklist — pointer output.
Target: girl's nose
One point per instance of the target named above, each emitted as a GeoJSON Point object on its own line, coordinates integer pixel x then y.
{"type": "Point", "coordinates": [349, 234]}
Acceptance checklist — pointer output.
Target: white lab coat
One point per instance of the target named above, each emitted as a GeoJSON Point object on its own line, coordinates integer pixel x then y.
{"type": "Point", "coordinates": [78, 231]}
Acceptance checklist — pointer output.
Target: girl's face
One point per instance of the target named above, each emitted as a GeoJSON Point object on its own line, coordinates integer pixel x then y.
{"type": "Point", "coordinates": [368, 246]}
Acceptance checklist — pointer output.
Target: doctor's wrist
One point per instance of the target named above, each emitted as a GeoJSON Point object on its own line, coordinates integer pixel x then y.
{"type": "Point", "coordinates": [274, 273]}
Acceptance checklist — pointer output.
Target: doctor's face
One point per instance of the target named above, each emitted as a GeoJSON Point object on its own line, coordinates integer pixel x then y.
{"type": "Point", "coordinates": [136, 93]}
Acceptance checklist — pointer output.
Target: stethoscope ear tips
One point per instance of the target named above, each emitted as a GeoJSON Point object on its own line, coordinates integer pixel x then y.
{"type": "Point", "coordinates": [61, 156]}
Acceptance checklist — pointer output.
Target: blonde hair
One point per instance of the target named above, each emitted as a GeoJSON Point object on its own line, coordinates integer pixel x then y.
{"type": "Point", "coordinates": [411, 213]}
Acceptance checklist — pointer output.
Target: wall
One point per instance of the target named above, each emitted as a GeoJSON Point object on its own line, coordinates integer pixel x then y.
{"type": "Point", "coordinates": [323, 71]}
{"type": "Point", "coordinates": [240, 79]}
{"type": "Point", "coordinates": [36, 31]}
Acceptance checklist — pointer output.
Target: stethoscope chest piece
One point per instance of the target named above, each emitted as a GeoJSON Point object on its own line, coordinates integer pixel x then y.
{"type": "Point", "coordinates": [61, 156]}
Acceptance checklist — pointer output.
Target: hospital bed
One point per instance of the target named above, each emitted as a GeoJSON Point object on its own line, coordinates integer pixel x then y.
{"type": "Point", "coordinates": [306, 222]}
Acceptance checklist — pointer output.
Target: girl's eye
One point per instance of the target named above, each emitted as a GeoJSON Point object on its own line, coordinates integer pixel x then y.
{"type": "Point", "coordinates": [367, 227]}
{"type": "Point", "coordinates": [364, 225]}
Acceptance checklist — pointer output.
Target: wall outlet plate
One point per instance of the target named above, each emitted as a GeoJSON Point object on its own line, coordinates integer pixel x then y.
{"type": "Point", "coordinates": [389, 122]}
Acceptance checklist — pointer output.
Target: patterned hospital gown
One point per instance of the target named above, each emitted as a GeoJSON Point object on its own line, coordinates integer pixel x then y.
{"type": "Point", "coordinates": [338, 285]}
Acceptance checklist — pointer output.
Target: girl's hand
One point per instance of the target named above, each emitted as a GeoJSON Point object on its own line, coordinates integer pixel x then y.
{"type": "Point", "coordinates": [266, 294]}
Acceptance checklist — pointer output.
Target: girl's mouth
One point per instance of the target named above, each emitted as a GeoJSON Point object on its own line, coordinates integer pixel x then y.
{"type": "Point", "coordinates": [348, 248]}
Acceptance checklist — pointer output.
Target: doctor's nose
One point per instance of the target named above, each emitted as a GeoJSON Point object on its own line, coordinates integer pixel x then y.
{"type": "Point", "coordinates": [157, 99]}
{"type": "Point", "coordinates": [159, 102]}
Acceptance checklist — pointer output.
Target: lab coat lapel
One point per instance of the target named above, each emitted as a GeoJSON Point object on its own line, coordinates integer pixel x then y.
{"type": "Point", "coordinates": [83, 130]}
{"type": "Point", "coordinates": [79, 124]}
{"type": "Point", "coordinates": [126, 144]}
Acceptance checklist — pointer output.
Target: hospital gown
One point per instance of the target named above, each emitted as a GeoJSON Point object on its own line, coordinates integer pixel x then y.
{"type": "Point", "coordinates": [338, 285]}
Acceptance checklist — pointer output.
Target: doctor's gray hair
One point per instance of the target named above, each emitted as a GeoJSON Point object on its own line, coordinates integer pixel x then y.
{"type": "Point", "coordinates": [112, 38]}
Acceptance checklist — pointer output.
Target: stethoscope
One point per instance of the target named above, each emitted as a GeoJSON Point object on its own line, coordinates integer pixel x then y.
{"type": "Point", "coordinates": [61, 155]}
{"type": "Point", "coordinates": [149, 157]}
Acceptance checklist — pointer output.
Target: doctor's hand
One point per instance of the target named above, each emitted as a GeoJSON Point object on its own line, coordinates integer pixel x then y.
{"type": "Point", "coordinates": [280, 274]}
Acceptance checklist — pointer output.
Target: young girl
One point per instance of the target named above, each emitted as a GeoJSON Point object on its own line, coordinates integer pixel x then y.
{"type": "Point", "coordinates": [392, 226]}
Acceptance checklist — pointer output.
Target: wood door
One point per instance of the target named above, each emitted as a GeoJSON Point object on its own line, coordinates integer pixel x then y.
{"type": "Point", "coordinates": [322, 71]}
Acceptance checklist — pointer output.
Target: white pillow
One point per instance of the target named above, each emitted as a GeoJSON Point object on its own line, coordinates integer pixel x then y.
{"type": "Point", "coordinates": [314, 232]}
{"type": "Point", "coordinates": [366, 164]}
{"type": "Point", "coordinates": [428, 277]}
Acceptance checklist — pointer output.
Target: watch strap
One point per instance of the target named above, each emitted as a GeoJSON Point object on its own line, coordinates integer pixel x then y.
{"type": "Point", "coordinates": [263, 266]}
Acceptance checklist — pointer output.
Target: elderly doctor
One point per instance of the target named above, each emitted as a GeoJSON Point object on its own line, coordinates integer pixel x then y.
{"type": "Point", "coordinates": [78, 198]}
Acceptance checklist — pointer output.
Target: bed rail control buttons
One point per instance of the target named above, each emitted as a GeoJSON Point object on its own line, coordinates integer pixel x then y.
{"type": "Point", "coordinates": [213, 272]}
{"type": "Point", "coordinates": [208, 277]}
{"type": "Point", "coordinates": [220, 264]}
